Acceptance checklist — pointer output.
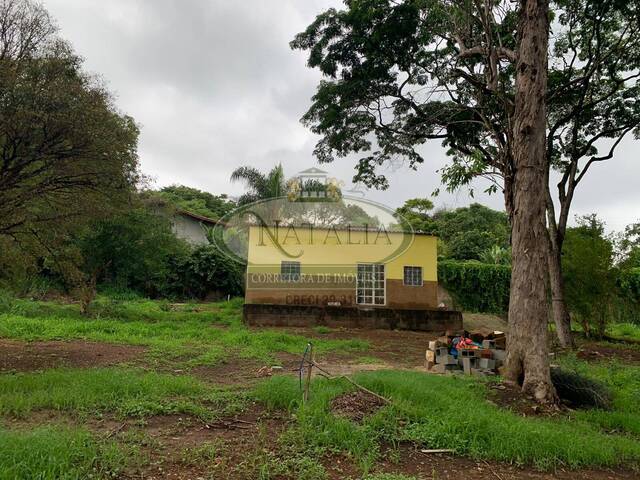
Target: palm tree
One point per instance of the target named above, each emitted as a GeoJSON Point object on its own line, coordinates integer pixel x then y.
{"type": "Point", "coordinates": [261, 186]}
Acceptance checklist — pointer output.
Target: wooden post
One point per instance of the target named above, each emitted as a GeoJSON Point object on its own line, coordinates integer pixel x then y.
{"type": "Point", "coordinates": [307, 382]}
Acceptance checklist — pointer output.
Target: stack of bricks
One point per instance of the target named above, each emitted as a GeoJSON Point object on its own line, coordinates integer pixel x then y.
{"type": "Point", "coordinates": [479, 361]}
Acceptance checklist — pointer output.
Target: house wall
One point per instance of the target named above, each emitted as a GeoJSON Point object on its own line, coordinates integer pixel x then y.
{"type": "Point", "coordinates": [329, 260]}
{"type": "Point", "coordinates": [189, 229]}
{"type": "Point", "coordinates": [440, 321]}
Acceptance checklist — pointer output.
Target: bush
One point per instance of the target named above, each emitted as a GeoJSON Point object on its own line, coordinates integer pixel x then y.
{"type": "Point", "coordinates": [627, 305]}
{"type": "Point", "coordinates": [202, 272]}
{"type": "Point", "coordinates": [476, 287]}
{"type": "Point", "coordinates": [131, 250]}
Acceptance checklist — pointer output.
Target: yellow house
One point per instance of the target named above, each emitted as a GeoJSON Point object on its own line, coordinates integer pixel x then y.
{"type": "Point", "coordinates": [332, 266]}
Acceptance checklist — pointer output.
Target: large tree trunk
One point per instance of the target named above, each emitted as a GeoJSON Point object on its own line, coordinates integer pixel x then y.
{"type": "Point", "coordinates": [527, 348]}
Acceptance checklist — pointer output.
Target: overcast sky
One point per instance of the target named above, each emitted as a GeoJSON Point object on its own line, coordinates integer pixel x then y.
{"type": "Point", "coordinates": [214, 85]}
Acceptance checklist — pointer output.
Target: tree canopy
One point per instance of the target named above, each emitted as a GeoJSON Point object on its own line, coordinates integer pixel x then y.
{"type": "Point", "coordinates": [67, 155]}
{"type": "Point", "coordinates": [400, 73]}
{"type": "Point", "coordinates": [196, 201]}
{"type": "Point", "coordinates": [467, 233]}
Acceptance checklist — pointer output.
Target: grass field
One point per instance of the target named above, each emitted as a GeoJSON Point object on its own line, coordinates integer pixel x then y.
{"type": "Point", "coordinates": [135, 417]}
{"type": "Point", "coordinates": [203, 334]}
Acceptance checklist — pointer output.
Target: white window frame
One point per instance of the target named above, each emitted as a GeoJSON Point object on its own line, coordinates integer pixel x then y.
{"type": "Point", "coordinates": [404, 276]}
{"type": "Point", "coordinates": [373, 288]}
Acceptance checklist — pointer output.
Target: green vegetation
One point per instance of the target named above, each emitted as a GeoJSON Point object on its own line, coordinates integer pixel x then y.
{"type": "Point", "coordinates": [50, 453]}
{"type": "Point", "coordinates": [131, 250]}
{"type": "Point", "coordinates": [321, 329]}
{"type": "Point", "coordinates": [196, 201]}
{"type": "Point", "coordinates": [466, 233]}
{"type": "Point", "coordinates": [432, 411]}
{"type": "Point", "coordinates": [476, 287]}
{"type": "Point", "coordinates": [624, 381]}
{"type": "Point", "coordinates": [625, 331]}
{"type": "Point", "coordinates": [126, 392]}
{"type": "Point", "coordinates": [451, 412]}
{"type": "Point", "coordinates": [200, 334]}
{"type": "Point", "coordinates": [587, 263]}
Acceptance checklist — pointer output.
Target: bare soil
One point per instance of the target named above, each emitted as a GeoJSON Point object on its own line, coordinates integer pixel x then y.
{"type": "Point", "coordinates": [409, 460]}
{"type": "Point", "coordinates": [29, 356]}
{"type": "Point", "coordinates": [510, 397]}
{"type": "Point", "coordinates": [356, 405]}
{"type": "Point", "coordinates": [395, 348]}
{"type": "Point", "coordinates": [597, 352]}
{"type": "Point", "coordinates": [237, 443]}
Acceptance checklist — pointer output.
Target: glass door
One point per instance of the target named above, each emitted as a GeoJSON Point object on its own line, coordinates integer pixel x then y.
{"type": "Point", "coordinates": [370, 284]}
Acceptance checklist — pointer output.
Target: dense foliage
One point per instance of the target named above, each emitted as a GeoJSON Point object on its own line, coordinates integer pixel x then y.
{"type": "Point", "coordinates": [197, 201]}
{"type": "Point", "coordinates": [475, 286]}
{"type": "Point", "coordinates": [67, 155]}
{"type": "Point", "coordinates": [629, 284]}
{"type": "Point", "coordinates": [132, 251]}
{"type": "Point", "coordinates": [204, 272]}
{"type": "Point", "coordinates": [138, 251]}
{"type": "Point", "coordinates": [475, 232]}
{"type": "Point", "coordinates": [589, 273]}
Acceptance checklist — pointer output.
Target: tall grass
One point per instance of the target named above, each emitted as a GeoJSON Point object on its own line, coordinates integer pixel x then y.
{"type": "Point", "coordinates": [623, 381]}
{"type": "Point", "coordinates": [50, 453]}
{"type": "Point", "coordinates": [126, 392]}
{"type": "Point", "coordinates": [624, 331]}
{"type": "Point", "coordinates": [445, 412]}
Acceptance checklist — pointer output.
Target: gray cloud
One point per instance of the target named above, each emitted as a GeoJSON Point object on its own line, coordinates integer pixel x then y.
{"type": "Point", "coordinates": [214, 85]}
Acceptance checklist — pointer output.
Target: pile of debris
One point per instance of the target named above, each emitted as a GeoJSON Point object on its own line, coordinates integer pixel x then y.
{"type": "Point", "coordinates": [471, 353]}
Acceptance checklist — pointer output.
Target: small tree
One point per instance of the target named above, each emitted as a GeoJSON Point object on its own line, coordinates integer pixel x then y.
{"type": "Point", "coordinates": [589, 274]}
{"type": "Point", "coordinates": [130, 250]}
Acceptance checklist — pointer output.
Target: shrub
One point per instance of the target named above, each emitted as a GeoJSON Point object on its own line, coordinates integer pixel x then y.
{"type": "Point", "coordinates": [131, 250]}
{"type": "Point", "coordinates": [203, 271]}
{"type": "Point", "coordinates": [475, 286]}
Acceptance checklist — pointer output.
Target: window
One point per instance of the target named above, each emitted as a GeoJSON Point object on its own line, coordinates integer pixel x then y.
{"type": "Point", "coordinates": [413, 276]}
{"type": "Point", "coordinates": [370, 284]}
{"type": "Point", "coordinates": [290, 271]}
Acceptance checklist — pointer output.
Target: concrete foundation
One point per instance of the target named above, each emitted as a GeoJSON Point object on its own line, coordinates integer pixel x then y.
{"type": "Point", "coordinates": [352, 317]}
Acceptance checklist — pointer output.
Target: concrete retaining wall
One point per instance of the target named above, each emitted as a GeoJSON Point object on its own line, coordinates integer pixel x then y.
{"type": "Point", "coordinates": [351, 317]}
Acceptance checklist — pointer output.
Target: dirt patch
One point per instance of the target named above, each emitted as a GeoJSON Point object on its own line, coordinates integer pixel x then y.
{"type": "Point", "coordinates": [484, 323]}
{"type": "Point", "coordinates": [511, 398]}
{"type": "Point", "coordinates": [230, 371]}
{"type": "Point", "coordinates": [597, 352]}
{"type": "Point", "coordinates": [410, 460]}
{"type": "Point", "coordinates": [30, 356]}
{"type": "Point", "coordinates": [173, 443]}
{"type": "Point", "coordinates": [356, 405]}
{"type": "Point", "coordinates": [245, 371]}
{"type": "Point", "coordinates": [396, 348]}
